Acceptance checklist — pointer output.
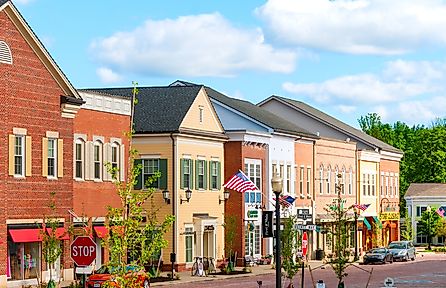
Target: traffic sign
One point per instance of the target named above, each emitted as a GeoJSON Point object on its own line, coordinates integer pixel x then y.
{"type": "Point", "coordinates": [306, 227]}
{"type": "Point", "coordinates": [304, 244]}
{"type": "Point", "coordinates": [388, 282]}
{"type": "Point", "coordinates": [83, 251]}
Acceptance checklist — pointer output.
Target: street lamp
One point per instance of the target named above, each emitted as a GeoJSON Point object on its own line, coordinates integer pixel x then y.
{"type": "Point", "coordinates": [429, 229]}
{"type": "Point", "coordinates": [188, 196]}
{"type": "Point", "coordinates": [225, 197]}
{"type": "Point", "coordinates": [277, 183]}
{"type": "Point", "coordinates": [166, 196]}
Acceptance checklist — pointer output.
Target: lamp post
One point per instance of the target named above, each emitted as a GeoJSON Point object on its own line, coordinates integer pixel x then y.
{"type": "Point", "coordinates": [356, 235]}
{"type": "Point", "coordinates": [429, 228]}
{"type": "Point", "coordinates": [276, 184]}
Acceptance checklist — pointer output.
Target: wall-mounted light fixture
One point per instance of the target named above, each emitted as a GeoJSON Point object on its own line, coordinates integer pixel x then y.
{"type": "Point", "coordinates": [188, 196]}
{"type": "Point", "coordinates": [225, 197]}
{"type": "Point", "coordinates": [166, 196]}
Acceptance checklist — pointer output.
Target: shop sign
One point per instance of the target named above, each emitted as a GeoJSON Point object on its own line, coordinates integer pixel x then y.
{"type": "Point", "coordinates": [252, 213]}
{"type": "Point", "coordinates": [389, 216]}
{"type": "Point", "coordinates": [209, 228]}
{"type": "Point", "coordinates": [267, 224]}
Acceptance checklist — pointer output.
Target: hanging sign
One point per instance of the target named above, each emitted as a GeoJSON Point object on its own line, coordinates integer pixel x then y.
{"type": "Point", "coordinates": [267, 224]}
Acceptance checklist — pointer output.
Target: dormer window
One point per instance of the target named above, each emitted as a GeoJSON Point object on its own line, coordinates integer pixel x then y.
{"type": "Point", "coordinates": [5, 53]}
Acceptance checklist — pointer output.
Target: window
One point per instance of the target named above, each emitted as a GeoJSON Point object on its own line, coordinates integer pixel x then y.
{"type": "Point", "coordinates": [189, 232]}
{"type": "Point", "coordinates": [19, 156]}
{"type": "Point", "coordinates": [187, 173]}
{"type": "Point", "coordinates": [97, 160]}
{"type": "Point", "coordinates": [420, 210]}
{"type": "Point", "coordinates": [381, 185]}
{"type": "Point", "coordinates": [114, 161]}
{"type": "Point", "coordinates": [79, 159]}
{"type": "Point", "coordinates": [301, 181]}
{"type": "Point", "coordinates": [201, 111]}
{"type": "Point", "coordinates": [321, 179]}
{"type": "Point", "coordinates": [281, 171]}
{"type": "Point", "coordinates": [373, 183]}
{"type": "Point", "coordinates": [150, 167]}
{"type": "Point", "coordinates": [391, 187]}
{"type": "Point", "coordinates": [364, 186]}
{"type": "Point", "coordinates": [368, 185]}
{"type": "Point", "coordinates": [336, 179]}
{"type": "Point", "coordinates": [288, 178]}
{"type": "Point", "coordinates": [308, 181]}
{"type": "Point", "coordinates": [328, 180]}
{"type": "Point", "coordinates": [253, 171]}
{"type": "Point", "coordinates": [52, 146]}
{"type": "Point", "coordinates": [397, 192]}
{"type": "Point", "coordinates": [350, 182]}
{"type": "Point", "coordinates": [214, 175]}
{"type": "Point", "coordinates": [201, 174]}
{"type": "Point", "coordinates": [421, 238]}
{"type": "Point", "coordinates": [274, 169]}
{"type": "Point", "coordinates": [387, 185]}
{"type": "Point", "coordinates": [343, 181]}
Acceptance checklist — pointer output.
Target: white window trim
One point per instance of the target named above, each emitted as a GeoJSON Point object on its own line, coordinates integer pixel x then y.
{"type": "Point", "coordinates": [82, 142]}
{"type": "Point", "coordinates": [22, 154]}
{"type": "Point", "coordinates": [101, 158]}
{"type": "Point", "coordinates": [55, 143]}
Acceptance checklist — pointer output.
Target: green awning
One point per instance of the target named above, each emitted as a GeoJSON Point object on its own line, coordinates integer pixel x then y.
{"type": "Point", "coordinates": [378, 222]}
{"type": "Point", "coordinates": [369, 227]}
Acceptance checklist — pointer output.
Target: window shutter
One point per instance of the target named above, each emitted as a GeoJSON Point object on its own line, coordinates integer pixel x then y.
{"type": "Point", "coordinates": [138, 184]}
{"type": "Point", "coordinates": [45, 157]}
{"type": "Point", "coordinates": [60, 158]}
{"type": "Point", "coordinates": [87, 160]}
{"type": "Point", "coordinates": [191, 172]}
{"type": "Point", "coordinates": [163, 169]}
{"type": "Point", "coordinates": [28, 165]}
{"type": "Point", "coordinates": [11, 154]}
{"type": "Point", "coordinates": [196, 173]}
{"type": "Point", "coordinates": [218, 175]}
{"type": "Point", "coordinates": [122, 163]}
{"type": "Point", "coordinates": [182, 161]}
{"type": "Point", "coordinates": [205, 181]}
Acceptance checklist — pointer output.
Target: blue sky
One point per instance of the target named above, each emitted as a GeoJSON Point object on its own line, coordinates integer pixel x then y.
{"type": "Point", "coordinates": [345, 57]}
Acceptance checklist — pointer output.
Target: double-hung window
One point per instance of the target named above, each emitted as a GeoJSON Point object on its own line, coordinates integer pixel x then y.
{"type": "Point", "coordinates": [201, 172]}
{"type": "Point", "coordinates": [19, 155]}
{"type": "Point", "coordinates": [187, 173]}
{"type": "Point", "coordinates": [288, 178]}
{"type": "Point", "coordinates": [150, 167]}
{"type": "Point", "coordinates": [301, 181]}
{"type": "Point", "coordinates": [321, 179]}
{"type": "Point", "coordinates": [350, 182]}
{"type": "Point", "coordinates": [79, 158]}
{"type": "Point", "coordinates": [214, 174]}
{"type": "Point", "coordinates": [253, 171]}
{"type": "Point", "coordinates": [97, 160]}
{"type": "Point", "coordinates": [114, 156]}
{"type": "Point", "coordinates": [189, 235]}
{"type": "Point", "coordinates": [52, 157]}
{"type": "Point", "coordinates": [308, 181]}
{"type": "Point", "coordinates": [328, 180]}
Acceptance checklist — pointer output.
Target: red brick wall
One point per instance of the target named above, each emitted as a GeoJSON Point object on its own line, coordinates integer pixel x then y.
{"type": "Point", "coordinates": [91, 198]}
{"type": "Point", "coordinates": [303, 157]}
{"type": "Point", "coordinates": [30, 98]}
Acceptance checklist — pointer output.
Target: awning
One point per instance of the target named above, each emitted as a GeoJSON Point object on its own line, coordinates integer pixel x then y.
{"type": "Point", "coordinates": [366, 222]}
{"type": "Point", "coordinates": [25, 235]}
{"type": "Point", "coordinates": [101, 231]}
{"type": "Point", "coordinates": [378, 222]}
{"type": "Point", "coordinates": [61, 233]}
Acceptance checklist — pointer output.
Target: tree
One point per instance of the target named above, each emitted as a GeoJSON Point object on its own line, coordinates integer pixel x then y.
{"type": "Point", "coordinates": [290, 244]}
{"type": "Point", "coordinates": [135, 234]}
{"type": "Point", "coordinates": [230, 226]}
{"type": "Point", "coordinates": [441, 230]}
{"type": "Point", "coordinates": [429, 223]}
{"type": "Point", "coordinates": [51, 243]}
{"type": "Point", "coordinates": [340, 259]}
{"type": "Point", "coordinates": [407, 232]}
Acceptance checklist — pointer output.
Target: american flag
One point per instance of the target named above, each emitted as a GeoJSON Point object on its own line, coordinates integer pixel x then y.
{"type": "Point", "coordinates": [285, 200]}
{"type": "Point", "coordinates": [240, 183]}
{"type": "Point", "coordinates": [440, 211]}
{"type": "Point", "coordinates": [363, 207]}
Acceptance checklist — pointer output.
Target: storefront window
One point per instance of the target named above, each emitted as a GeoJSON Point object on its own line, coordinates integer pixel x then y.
{"type": "Point", "coordinates": [23, 260]}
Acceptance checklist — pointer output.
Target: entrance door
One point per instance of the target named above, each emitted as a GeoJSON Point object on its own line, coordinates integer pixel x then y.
{"type": "Point", "coordinates": [252, 241]}
{"type": "Point", "coordinates": [208, 244]}
{"type": "Point", "coordinates": [24, 260]}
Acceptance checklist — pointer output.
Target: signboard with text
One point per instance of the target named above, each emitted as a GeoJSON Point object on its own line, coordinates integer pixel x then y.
{"type": "Point", "coordinates": [267, 224]}
{"type": "Point", "coordinates": [304, 214]}
{"type": "Point", "coordinates": [83, 251]}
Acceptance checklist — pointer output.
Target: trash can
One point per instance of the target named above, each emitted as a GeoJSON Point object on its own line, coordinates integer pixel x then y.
{"type": "Point", "coordinates": [319, 254]}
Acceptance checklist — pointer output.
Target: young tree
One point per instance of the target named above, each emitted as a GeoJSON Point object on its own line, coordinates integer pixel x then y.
{"type": "Point", "coordinates": [290, 245]}
{"type": "Point", "coordinates": [407, 232]}
{"type": "Point", "coordinates": [51, 243]}
{"type": "Point", "coordinates": [340, 259]}
{"type": "Point", "coordinates": [429, 223]}
{"type": "Point", "coordinates": [230, 226]}
{"type": "Point", "coordinates": [135, 233]}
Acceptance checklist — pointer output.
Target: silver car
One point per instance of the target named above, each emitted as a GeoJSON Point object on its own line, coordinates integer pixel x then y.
{"type": "Point", "coordinates": [402, 250]}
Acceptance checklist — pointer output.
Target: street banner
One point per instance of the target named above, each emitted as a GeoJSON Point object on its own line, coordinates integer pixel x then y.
{"type": "Point", "coordinates": [267, 224]}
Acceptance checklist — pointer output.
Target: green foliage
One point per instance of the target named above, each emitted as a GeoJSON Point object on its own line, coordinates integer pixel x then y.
{"type": "Point", "coordinates": [340, 259]}
{"type": "Point", "coordinates": [290, 244]}
{"type": "Point", "coordinates": [430, 222]}
{"type": "Point", "coordinates": [407, 232]}
{"type": "Point", "coordinates": [51, 244]}
{"type": "Point", "coordinates": [136, 235]}
{"type": "Point", "coordinates": [424, 150]}
{"type": "Point", "coordinates": [441, 230]}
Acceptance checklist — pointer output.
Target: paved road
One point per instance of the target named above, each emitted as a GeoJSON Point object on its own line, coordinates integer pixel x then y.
{"type": "Point", "coordinates": [426, 271]}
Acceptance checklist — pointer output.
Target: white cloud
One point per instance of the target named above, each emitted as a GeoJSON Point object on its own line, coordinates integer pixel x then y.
{"type": "Point", "coordinates": [201, 45]}
{"type": "Point", "coordinates": [422, 111]}
{"type": "Point", "coordinates": [346, 108]}
{"type": "Point", "coordinates": [380, 27]}
{"type": "Point", "coordinates": [399, 81]}
{"type": "Point", "coordinates": [107, 75]}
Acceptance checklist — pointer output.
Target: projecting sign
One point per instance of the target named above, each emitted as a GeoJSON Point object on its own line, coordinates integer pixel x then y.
{"type": "Point", "coordinates": [304, 214]}
{"type": "Point", "coordinates": [307, 227]}
{"type": "Point", "coordinates": [267, 224]}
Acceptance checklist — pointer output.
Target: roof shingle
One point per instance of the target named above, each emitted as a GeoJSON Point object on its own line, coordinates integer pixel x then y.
{"type": "Point", "coordinates": [426, 189]}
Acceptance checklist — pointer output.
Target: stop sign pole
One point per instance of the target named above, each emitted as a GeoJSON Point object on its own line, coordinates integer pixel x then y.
{"type": "Point", "coordinates": [304, 253]}
{"type": "Point", "coordinates": [83, 251]}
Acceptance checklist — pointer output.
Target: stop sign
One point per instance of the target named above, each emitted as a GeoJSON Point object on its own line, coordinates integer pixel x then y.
{"type": "Point", "coordinates": [83, 251]}
{"type": "Point", "coordinates": [304, 244]}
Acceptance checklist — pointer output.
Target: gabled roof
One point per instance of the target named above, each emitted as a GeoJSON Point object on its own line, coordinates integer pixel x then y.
{"type": "Point", "coordinates": [39, 49]}
{"type": "Point", "coordinates": [314, 113]}
{"type": "Point", "coordinates": [159, 109]}
{"type": "Point", "coordinates": [261, 115]}
{"type": "Point", "coordinates": [426, 189]}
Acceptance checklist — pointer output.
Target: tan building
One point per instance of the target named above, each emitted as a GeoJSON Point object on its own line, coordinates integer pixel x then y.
{"type": "Point", "coordinates": [178, 133]}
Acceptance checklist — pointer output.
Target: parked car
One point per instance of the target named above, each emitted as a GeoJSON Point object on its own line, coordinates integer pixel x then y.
{"type": "Point", "coordinates": [378, 255]}
{"type": "Point", "coordinates": [105, 274]}
{"type": "Point", "coordinates": [402, 250]}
